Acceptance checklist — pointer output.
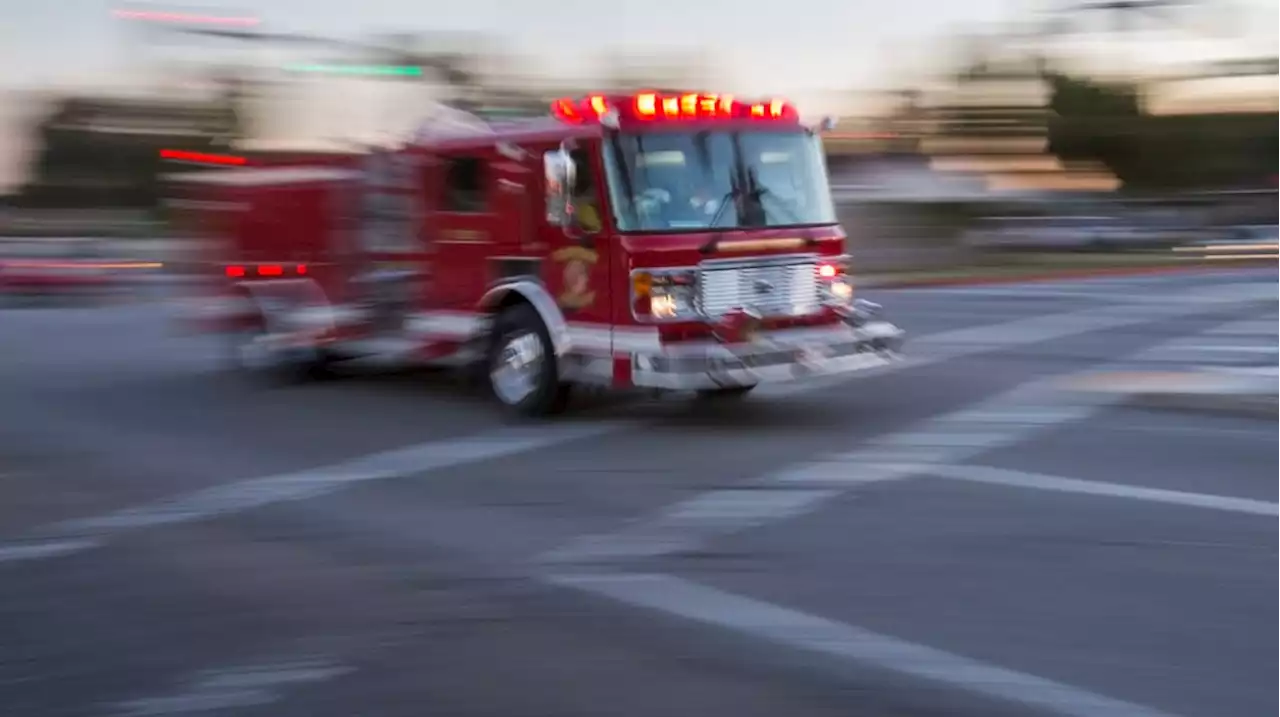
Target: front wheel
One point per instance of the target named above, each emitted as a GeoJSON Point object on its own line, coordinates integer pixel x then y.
{"type": "Point", "coordinates": [522, 364]}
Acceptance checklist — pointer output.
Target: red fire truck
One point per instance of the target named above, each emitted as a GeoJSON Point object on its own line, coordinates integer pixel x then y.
{"type": "Point", "coordinates": [681, 242]}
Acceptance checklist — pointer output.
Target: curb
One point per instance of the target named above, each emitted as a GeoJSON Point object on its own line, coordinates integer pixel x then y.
{"type": "Point", "coordinates": [1064, 274]}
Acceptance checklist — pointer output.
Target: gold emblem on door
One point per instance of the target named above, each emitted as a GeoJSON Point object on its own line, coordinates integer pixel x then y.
{"type": "Point", "coordinates": [576, 292]}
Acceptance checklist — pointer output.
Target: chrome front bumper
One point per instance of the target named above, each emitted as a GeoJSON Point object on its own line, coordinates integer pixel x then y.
{"type": "Point", "coordinates": [776, 357]}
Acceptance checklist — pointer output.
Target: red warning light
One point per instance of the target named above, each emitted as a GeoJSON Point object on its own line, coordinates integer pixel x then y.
{"type": "Point", "coordinates": [647, 106]}
{"type": "Point", "coordinates": [235, 272]}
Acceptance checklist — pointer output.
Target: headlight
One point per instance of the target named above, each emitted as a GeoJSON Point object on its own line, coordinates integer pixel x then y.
{"type": "Point", "coordinates": [840, 291]}
{"type": "Point", "coordinates": [664, 294]}
{"type": "Point", "coordinates": [837, 287]}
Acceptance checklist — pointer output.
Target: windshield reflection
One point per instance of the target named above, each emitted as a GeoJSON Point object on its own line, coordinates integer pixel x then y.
{"type": "Point", "coordinates": [717, 180]}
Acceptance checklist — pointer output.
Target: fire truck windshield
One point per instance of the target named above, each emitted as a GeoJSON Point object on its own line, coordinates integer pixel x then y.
{"type": "Point", "coordinates": [717, 179]}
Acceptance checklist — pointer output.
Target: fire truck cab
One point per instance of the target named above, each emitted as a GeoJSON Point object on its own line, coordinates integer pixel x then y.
{"type": "Point", "coordinates": [681, 242]}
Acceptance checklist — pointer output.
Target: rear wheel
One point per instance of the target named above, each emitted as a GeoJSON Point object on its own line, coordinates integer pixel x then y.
{"type": "Point", "coordinates": [523, 374]}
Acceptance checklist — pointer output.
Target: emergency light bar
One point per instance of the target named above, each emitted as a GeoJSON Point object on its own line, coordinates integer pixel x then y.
{"type": "Point", "coordinates": [655, 106]}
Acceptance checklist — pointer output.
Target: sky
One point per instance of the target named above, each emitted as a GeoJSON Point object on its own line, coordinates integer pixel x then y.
{"type": "Point", "coordinates": [766, 41]}
{"type": "Point", "coordinates": [774, 45]}
{"type": "Point", "coordinates": [804, 49]}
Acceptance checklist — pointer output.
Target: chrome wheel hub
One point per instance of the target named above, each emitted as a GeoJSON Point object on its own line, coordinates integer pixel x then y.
{"type": "Point", "coordinates": [517, 367]}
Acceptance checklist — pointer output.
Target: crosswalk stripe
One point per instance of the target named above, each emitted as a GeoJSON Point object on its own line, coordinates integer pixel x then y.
{"type": "Point", "coordinates": [75, 536]}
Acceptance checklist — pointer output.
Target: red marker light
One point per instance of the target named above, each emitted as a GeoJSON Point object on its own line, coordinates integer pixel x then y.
{"type": "Point", "coordinates": [235, 272]}
{"type": "Point", "coordinates": [201, 157]}
{"type": "Point", "coordinates": [270, 270]}
{"type": "Point", "coordinates": [301, 269]}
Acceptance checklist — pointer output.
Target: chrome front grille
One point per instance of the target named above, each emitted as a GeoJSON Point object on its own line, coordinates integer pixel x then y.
{"type": "Point", "coordinates": [771, 287]}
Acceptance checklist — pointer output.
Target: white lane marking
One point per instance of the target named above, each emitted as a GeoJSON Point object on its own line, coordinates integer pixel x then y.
{"type": "Point", "coordinates": [83, 534]}
{"type": "Point", "coordinates": [1248, 327]}
{"type": "Point", "coordinates": [890, 457]}
{"type": "Point", "coordinates": [683, 524]}
{"type": "Point", "coordinates": [941, 439]}
{"type": "Point", "coordinates": [810, 633]}
{"type": "Point", "coordinates": [44, 549]}
{"type": "Point", "coordinates": [1040, 481]}
{"type": "Point", "coordinates": [951, 438]}
{"type": "Point", "coordinates": [1238, 348]}
{"type": "Point", "coordinates": [1044, 417]}
{"type": "Point", "coordinates": [247, 686]}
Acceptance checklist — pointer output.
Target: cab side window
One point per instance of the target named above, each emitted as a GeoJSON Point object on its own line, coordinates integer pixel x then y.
{"type": "Point", "coordinates": [465, 186]}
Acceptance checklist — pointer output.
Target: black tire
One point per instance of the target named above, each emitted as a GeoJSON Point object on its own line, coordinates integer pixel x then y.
{"type": "Point", "coordinates": [549, 395]}
{"type": "Point", "coordinates": [731, 393]}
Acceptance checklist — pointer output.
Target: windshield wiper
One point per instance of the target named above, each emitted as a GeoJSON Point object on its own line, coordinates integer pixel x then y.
{"type": "Point", "coordinates": [731, 196]}
{"type": "Point", "coordinates": [759, 191]}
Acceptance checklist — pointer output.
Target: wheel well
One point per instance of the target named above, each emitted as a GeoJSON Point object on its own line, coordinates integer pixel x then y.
{"type": "Point", "coordinates": [510, 299]}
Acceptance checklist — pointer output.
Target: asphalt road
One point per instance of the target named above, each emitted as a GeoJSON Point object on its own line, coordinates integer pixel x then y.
{"type": "Point", "coordinates": [963, 536]}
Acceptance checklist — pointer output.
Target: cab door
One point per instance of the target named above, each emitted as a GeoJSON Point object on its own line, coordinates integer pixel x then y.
{"type": "Point", "coordinates": [576, 271]}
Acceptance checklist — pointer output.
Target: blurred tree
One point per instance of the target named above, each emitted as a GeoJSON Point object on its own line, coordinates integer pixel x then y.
{"type": "Point", "coordinates": [1094, 121]}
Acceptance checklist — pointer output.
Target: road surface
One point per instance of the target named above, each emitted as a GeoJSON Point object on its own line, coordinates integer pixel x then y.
{"type": "Point", "coordinates": [962, 536]}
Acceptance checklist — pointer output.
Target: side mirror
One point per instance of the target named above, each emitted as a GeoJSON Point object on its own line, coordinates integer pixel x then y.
{"type": "Point", "coordinates": [561, 177]}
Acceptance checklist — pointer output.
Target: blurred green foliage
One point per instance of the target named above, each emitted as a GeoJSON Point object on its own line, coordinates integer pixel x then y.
{"type": "Point", "coordinates": [1106, 123]}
